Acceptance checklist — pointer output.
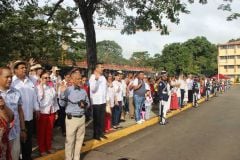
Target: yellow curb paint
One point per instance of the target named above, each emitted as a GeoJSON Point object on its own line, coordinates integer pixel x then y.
{"type": "Point", "coordinates": [91, 144]}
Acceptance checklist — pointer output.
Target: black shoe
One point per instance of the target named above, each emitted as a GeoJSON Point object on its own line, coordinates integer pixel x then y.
{"type": "Point", "coordinates": [104, 137]}
{"type": "Point", "coordinates": [97, 138]}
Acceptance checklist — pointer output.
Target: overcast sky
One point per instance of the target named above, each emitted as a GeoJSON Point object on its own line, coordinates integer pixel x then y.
{"type": "Point", "coordinates": [204, 20]}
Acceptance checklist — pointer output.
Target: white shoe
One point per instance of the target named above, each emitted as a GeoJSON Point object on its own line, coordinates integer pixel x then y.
{"type": "Point", "coordinates": [142, 120]}
{"type": "Point", "coordinates": [139, 122]}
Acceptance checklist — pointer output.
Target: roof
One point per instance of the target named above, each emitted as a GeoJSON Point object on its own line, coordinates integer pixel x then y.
{"type": "Point", "coordinates": [230, 43]}
{"type": "Point", "coordinates": [83, 64]}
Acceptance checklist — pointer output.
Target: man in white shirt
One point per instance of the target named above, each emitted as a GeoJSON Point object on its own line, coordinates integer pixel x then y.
{"type": "Point", "coordinates": [28, 92]}
{"type": "Point", "coordinates": [98, 96]}
{"type": "Point", "coordinates": [118, 101]}
{"type": "Point", "coordinates": [189, 86]}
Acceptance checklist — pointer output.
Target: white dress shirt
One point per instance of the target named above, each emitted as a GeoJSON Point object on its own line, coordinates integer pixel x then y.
{"type": "Point", "coordinates": [98, 90]}
{"type": "Point", "coordinates": [47, 99]}
{"type": "Point", "coordinates": [28, 93]}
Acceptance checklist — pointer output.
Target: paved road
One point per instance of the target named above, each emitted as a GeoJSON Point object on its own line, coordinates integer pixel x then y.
{"type": "Point", "coordinates": [210, 132]}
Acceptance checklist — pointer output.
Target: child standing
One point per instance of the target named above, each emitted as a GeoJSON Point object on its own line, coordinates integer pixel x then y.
{"type": "Point", "coordinates": [148, 104]}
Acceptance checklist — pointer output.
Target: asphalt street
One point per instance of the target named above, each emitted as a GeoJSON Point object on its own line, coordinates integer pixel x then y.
{"type": "Point", "coordinates": [210, 132]}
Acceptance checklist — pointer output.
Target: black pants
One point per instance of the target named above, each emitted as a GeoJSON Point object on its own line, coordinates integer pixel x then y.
{"type": "Point", "coordinates": [27, 146]}
{"type": "Point", "coordinates": [61, 118]}
{"type": "Point", "coordinates": [98, 120]}
{"type": "Point", "coordinates": [182, 96]}
{"type": "Point", "coordinates": [190, 96]}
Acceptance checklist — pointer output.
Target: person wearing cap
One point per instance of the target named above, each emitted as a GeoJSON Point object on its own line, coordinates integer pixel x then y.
{"type": "Point", "coordinates": [27, 89]}
{"type": "Point", "coordinates": [35, 72]}
{"type": "Point", "coordinates": [163, 92]}
{"type": "Point", "coordinates": [139, 96]}
{"type": "Point", "coordinates": [76, 101]}
{"type": "Point", "coordinates": [55, 77]}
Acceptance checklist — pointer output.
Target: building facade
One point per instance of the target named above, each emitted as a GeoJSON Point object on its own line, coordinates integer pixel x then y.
{"type": "Point", "coordinates": [229, 59]}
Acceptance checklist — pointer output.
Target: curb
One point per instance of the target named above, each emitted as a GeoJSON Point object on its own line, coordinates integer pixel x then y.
{"type": "Point", "coordinates": [91, 144]}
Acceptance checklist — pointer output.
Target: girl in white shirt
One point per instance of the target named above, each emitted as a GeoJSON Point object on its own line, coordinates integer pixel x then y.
{"type": "Point", "coordinates": [148, 104]}
{"type": "Point", "coordinates": [48, 107]}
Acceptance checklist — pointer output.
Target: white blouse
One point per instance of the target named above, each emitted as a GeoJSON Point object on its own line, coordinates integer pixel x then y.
{"type": "Point", "coordinates": [48, 99]}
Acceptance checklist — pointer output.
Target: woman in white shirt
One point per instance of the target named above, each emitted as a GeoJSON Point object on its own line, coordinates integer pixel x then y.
{"type": "Point", "coordinates": [48, 107]}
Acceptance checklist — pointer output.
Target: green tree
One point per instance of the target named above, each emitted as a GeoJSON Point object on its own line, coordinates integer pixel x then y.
{"type": "Point", "coordinates": [141, 58]}
{"type": "Point", "coordinates": [177, 59]}
{"type": "Point", "coordinates": [226, 6]}
{"type": "Point", "coordinates": [24, 33]}
{"type": "Point", "coordinates": [204, 55]}
{"type": "Point", "coordinates": [110, 52]}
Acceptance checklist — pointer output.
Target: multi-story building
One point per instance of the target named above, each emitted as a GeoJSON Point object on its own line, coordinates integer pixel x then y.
{"type": "Point", "coordinates": [229, 59]}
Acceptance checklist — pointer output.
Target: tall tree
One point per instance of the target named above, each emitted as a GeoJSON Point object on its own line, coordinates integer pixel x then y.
{"type": "Point", "coordinates": [135, 14]}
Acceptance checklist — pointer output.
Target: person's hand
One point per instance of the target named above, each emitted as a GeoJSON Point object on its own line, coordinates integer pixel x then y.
{"type": "Point", "coordinates": [2, 103]}
{"type": "Point", "coordinates": [31, 61]}
{"type": "Point", "coordinates": [97, 76]}
{"type": "Point", "coordinates": [56, 116]}
{"type": "Point", "coordinates": [63, 87]}
{"type": "Point", "coordinates": [23, 136]}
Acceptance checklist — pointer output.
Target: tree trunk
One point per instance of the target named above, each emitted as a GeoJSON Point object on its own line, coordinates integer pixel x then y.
{"type": "Point", "coordinates": [90, 34]}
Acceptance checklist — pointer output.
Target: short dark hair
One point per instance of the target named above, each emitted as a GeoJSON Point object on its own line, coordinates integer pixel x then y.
{"type": "Point", "coordinates": [20, 63]}
{"type": "Point", "coordinates": [97, 64]}
{"type": "Point", "coordinates": [44, 72]}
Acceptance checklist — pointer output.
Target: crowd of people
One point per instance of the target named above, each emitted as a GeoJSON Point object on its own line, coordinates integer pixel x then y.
{"type": "Point", "coordinates": [31, 96]}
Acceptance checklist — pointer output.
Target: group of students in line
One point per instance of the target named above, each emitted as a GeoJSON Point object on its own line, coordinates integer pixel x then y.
{"type": "Point", "coordinates": [32, 96]}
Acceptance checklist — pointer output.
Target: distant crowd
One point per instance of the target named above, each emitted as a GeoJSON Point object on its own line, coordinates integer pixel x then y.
{"type": "Point", "coordinates": [33, 97]}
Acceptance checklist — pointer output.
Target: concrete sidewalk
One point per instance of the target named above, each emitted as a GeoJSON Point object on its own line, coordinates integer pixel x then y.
{"type": "Point", "coordinates": [129, 127]}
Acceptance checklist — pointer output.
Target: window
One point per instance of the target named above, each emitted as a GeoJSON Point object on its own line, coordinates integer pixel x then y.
{"type": "Point", "coordinates": [224, 57]}
{"type": "Point", "coordinates": [225, 67]}
{"type": "Point", "coordinates": [238, 57]}
{"type": "Point", "coordinates": [230, 66]}
{"type": "Point", "coordinates": [231, 57]}
{"type": "Point", "coordinates": [223, 47]}
{"type": "Point", "coordinates": [238, 66]}
{"type": "Point", "coordinates": [231, 47]}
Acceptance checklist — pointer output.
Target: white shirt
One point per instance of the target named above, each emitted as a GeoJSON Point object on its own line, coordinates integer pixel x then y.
{"type": "Point", "coordinates": [28, 93]}
{"type": "Point", "coordinates": [118, 90]}
{"type": "Point", "coordinates": [110, 95]}
{"type": "Point", "coordinates": [124, 88]}
{"type": "Point", "coordinates": [130, 90]}
{"type": "Point", "coordinates": [182, 84]}
{"type": "Point", "coordinates": [98, 90]}
{"type": "Point", "coordinates": [12, 98]}
{"type": "Point", "coordinates": [48, 99]}
{"type": "Point", "coordinates": [148, 101]}
{"type": "Point", "coordinates": [189, 84]}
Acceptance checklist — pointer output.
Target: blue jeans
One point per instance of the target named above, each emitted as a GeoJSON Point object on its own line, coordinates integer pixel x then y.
{"type": "Point", "coordinates": [116, 114]}
{"type": "Point", "coordinates": [138, 102]}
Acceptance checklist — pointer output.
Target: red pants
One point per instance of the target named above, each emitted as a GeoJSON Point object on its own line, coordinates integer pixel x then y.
{"type": "Point", "coordinates": [107, 125]}
{"type": "Point", "coordinates": [44, 131]}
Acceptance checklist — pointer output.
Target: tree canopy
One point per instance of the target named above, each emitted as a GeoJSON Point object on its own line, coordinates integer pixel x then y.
{"type": "Point", "coordinates": [196, 56]}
